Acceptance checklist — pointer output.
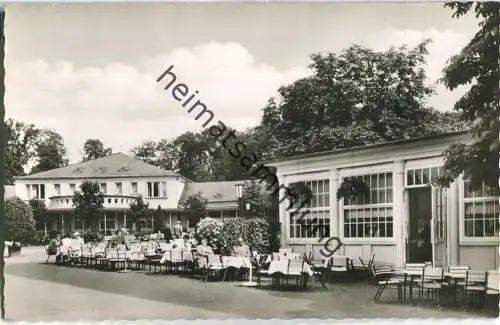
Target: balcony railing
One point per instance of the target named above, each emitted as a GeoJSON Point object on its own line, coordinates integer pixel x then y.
{"type": "Point", "coordinates": [110, 202]}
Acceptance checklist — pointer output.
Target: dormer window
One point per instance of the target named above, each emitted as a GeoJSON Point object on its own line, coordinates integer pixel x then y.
{"type": "Point", "coordinates": [100, 170]}
{"type": "Point", "coordinates": [78, 170]}
{"type": "Point", "coordinates": [124, 169]}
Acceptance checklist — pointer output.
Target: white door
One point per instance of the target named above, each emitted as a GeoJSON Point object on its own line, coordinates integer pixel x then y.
{"type": "Point", "coordinates": [438, 231]}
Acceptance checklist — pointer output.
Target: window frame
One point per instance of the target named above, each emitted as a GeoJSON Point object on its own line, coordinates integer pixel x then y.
{"type": "Point", "coordinates": [465, 240]}
{"type": "Point", "coordinates": [371, 206]}
{"type": "Point", "coordinates": [119, 187]}
{"type": "Point", "coordinates": [150, 190]}
{"type": "Point", "coordinates": [324, 209]}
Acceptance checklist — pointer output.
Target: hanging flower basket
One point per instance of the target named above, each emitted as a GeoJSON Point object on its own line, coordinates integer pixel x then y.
{"type": "Point", "coordinates": [353, 188]}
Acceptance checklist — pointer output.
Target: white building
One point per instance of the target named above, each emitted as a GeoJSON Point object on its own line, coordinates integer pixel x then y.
{"type": "Point", "coordinates": [122, 179]}
{"type": "Point", "coordinates": [406, 219]}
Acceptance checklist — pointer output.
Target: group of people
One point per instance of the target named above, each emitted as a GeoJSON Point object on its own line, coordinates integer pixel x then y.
{"type": "Point", "coordinates": [73, 242]}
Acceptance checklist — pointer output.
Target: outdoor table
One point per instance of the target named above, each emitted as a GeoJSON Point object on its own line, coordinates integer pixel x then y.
{"type": "Point", "coordinates": [277, 268]}
{"type": "Point", "coordinates": [292, 256]}
{"type": "Point", "coordinates": [236, 262]}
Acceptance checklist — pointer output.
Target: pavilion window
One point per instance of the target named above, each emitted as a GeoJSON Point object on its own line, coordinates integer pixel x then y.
{"type": "Point", "coordinates": [481, 212]}
{"type": "Point", "coordinates": [371, 217]}
{"type": "Point", "coordinates": [313, 219]}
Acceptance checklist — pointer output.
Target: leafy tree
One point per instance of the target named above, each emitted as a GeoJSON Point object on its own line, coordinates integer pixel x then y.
{"type": "Point", "coordinates": [88, 202]}
{"type": "Point", "coordinates": [196, 151]}
{"type": "Point", "coordinates": [39, 213]}
{"type": "Point", "coordinates": [262, 203]}
{"type": "Point", "coordinates": [195, 206]}
{"type": "Point", "coordinates": [163, 154]}
{"type": "Point", "coordinates": [94, 148]}
{"type": "Point", "coordinates": [476, 65]}
{"type": "Point", "coordinates": [20, 148]}
{"type": "Point", "coordinates": [50, 151]}
{"type": "Point", "coordinates": [357, 97]}
{"type": "Point", "coordinates": [140, 213]}
{"type": "Point", "coordinates": [19, 222]}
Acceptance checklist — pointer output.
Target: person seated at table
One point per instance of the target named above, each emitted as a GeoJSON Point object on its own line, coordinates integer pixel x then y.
{"type": "Point", "coordinates": [187, 243]}
{"type": "Point", "coordinates": [241, 249]}
{"type": "Point", "coordinates": [117, 239]}
{"type": "Point", "coordinates": [53, 246]}
{"type": "Point", "coordinates": [204, 250]}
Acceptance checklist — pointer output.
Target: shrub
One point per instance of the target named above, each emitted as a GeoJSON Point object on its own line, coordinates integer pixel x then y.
{"type": "Point", "coordinates": [223, 235]}
{"type": "Point", "coordinates": [210, 229]}
{"type": "Point", "coordinates": [19, 222]}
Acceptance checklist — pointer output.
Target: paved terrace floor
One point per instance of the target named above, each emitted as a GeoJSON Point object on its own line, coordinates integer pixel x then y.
{"type": "Point", "coordinates": [45, 292]}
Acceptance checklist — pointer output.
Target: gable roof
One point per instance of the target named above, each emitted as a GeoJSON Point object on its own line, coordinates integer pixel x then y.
{"type": "Point", "coordinates": [114, 165]}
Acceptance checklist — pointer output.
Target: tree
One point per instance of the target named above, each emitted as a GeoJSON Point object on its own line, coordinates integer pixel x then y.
{"type": "Point", "coordinates": [39, 213]}
{"type": "Point", "coordinates": [20, 148]}
{"type": "Point", "coordinates": [88, 202]}
{"type": "Point", "coordinates": [19, 222]}
{"type": "Point", "coordinates": [195, 206]}
{"type": "Point", "coordinates": [163, 154]}
{"type": "Point", "coordinates": [262, 203]}
{"type": "Point", "coordinates": [477, 64]}
{"type": "Point", "coordinates": [50, 151]}
{"type": "Point", "coordinates": [139, 212]}
{"type": "Point", "coordinates": [357, 97]}
{"type": "Point", "coordinates": [94, 148]}
{"type": "Point", "coordinates": [196, 151]}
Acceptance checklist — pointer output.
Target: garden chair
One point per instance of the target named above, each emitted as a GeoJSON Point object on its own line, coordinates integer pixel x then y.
{"type": "Point", "coordinates": [213, 267]}
{"type": "Point", "coordinates": [413, 277]}
{"type": "Point", "coordinates": [187, 260]}
{"type": "Point", "coordinates": [386, 278]}
{"type": "Point", "coordinates": [86, 255]}
{"type": "Point", "coordinates": [492, 289]}
{"type": "Point", "coordinates": [432, 283]}
{"type": "Point", "coordinates": [456, 277]}
{"type": "Point", "coordinates": [474, 288]}
{"type": "Point", "coordinates": [295, 270]}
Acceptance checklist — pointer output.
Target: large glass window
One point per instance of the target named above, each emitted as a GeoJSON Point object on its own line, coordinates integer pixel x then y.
{"type": "Point", "coordinates": [313, 219]}
{"type": "Point", "coordinates": [481, 212]}
{"type": "Point", "coordinates": [371, 216]}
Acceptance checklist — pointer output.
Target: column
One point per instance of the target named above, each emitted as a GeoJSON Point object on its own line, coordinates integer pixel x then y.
{"type": "Point", "coordinates": [105, 225]}
{"type": "Point", "coordinates": [170, 219]}
{"type": "Point", "coordinates": [453, 220]}
{"type": "Point", "coordinates": [125, 219]}
{"type": "Point", "coordinates": [399, 217]}
{"type": "Point", "coordinates": [335, 222]}
{"type": "Point", "coordinates": [282, 213]}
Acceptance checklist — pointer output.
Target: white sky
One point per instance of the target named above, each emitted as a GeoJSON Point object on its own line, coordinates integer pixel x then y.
{"type": "Point", "coordinates": [90, 70]}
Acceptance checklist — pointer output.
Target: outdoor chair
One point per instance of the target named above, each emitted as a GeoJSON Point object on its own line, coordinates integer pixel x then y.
{"type": "Point", "coordinates": [413, 278]}
{"type": "Point", "coordinates": [86, 255]}
{"type": "Point", "coordinates": [295, 270]}
{"type": "Point", "coordinates": [432, 283]}
{"type": "Point", "coordinates": [492, 289]}
{"type": "Point", "coordinates": [363, 263]}
{"type": "Point", "coordinates": [187, 260]}
{"type": "Point", "coordinates": [385, 278]}
{"type": "Point", "coordinates": [474, 287]}
{"type": "Point", "coordinates": [50, 253]}
{"type": "Point", "coordinates": [456, 279]}
{"type": "Point", "coordinates": [213, 267]}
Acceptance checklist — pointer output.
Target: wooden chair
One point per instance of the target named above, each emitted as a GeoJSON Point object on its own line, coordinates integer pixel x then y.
{"type": "Point", "coordinates": [432, 283]}
{"type": "Point", "coordinates": [475, 287]}
{"type": "Point", "coordinates": [385, 278]}
{"type": "Point", "coordinates": [295, 269]}
{"type": "Point", "coordinates": [213, 267]}
{"type": "Point", "coordinates": [492, 287]}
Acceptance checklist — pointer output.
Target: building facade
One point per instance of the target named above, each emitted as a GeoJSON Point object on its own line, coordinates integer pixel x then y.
{"type": "Point", "coordinates": [122, 180]}
{"type": "Point", "coordinates": [405, 218]}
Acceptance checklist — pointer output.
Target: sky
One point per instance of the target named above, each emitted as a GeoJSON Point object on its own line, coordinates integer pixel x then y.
{"type": "Point", "coordinates": [89, 71]}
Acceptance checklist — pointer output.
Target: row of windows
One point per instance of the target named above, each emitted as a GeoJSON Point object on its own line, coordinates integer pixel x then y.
{"type": "Point", "coordinates": [154, 189]}
{"type": "Point", "coordinates": [372, 217]}
{"type": "Point", "coordinates": [108, 223]}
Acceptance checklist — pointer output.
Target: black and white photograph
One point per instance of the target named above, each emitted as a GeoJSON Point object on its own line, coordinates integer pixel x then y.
{"type": "Point", "coordinates": [249, 160]}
